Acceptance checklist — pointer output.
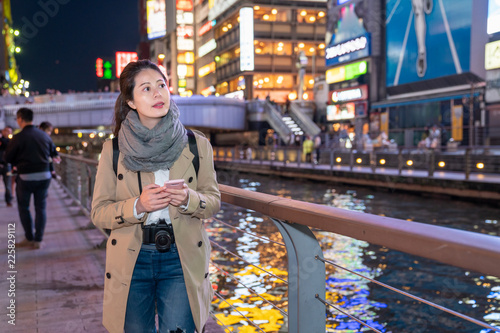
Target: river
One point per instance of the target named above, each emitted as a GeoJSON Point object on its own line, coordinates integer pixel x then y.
{"type": "Point", "coordinates": [469, 293]}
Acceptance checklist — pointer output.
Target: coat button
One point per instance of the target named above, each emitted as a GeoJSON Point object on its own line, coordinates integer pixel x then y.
{"type": "Point", "coordinates": [108, 275]}
{"type": "Point", "coordinates": [200, 243]}
{"type": "Point", "coordinates": [190, 180]}
{"type": "Point", "coordinates": [120, 176]}
{"type": "Point", "coordinates": [113, 242]}
{"type": "Point", "coordinates": [206, 274]}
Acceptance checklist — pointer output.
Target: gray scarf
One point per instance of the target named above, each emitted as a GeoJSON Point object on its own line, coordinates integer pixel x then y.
{"type": "Point", "coordinates": [150, 150]}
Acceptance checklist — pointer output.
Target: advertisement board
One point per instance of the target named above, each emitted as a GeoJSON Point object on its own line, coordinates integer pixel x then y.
{"type": "Point", "coordinates": [427, 41]}
{"type": "Point", "coordinates": [493, 24]}
{"type": "Point", "coordinates": [156, 16]}
{"type": "Point", "coordinates": [247, 60]}
{"type": "Point", "coordinates": [349, 39]}
{"type": "Point", "coordinates": [122, 59]}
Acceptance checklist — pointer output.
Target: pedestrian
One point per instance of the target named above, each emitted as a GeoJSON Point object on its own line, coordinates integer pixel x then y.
{"type": "Point", "coordinates": [29, 152]}
{"type": "Point", "coordinates": [47, 128]}
{"type": "Point", "coordinates": [317, 146]}
{"type": "Point", "coordinates": [5, 168]}
{"type": "Point", "coordinates": [143, 277]}
{"type": "Point", "coordinates": [307, 148]}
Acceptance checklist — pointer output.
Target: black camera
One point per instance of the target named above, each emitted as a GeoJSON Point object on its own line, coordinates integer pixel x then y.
{"type": "Point", "coordinates": [162, 234]}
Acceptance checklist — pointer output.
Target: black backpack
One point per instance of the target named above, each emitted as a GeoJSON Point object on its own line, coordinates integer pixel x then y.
{"type": "Point", "coordinates": [193, 147]}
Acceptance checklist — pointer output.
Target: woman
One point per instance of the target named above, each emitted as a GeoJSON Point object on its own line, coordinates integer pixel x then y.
{"type": "Point", "coordinates": [140, 279]}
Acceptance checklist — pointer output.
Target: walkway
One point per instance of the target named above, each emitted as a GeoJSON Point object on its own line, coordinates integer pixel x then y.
{"type": "Point", "coordinates": [58, 288]}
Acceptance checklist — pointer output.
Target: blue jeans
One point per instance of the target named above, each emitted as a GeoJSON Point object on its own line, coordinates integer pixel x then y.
{"type": "Point", "coordinates": [158, 282]}
{"type": "Point", "coordinates": [7, 183]}
{"type": "Point", "coordinates": [24, 190]}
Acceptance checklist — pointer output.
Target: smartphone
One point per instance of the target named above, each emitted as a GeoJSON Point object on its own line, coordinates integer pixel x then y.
{"type": "Point", "coordinates": [175, 184]}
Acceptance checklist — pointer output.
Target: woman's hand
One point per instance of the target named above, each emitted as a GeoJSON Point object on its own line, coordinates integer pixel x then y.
{"type": "Point", "coordinates": [178, 197]}
{"type": "Point", "coordinates": [153, 197]}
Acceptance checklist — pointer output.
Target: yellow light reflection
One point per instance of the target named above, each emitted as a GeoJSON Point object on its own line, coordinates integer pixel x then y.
{"type": "Point", "coordinates": [338, 159]}
{"type": "Point", "coordinates": [359, 160]}
{"type": "Point", "coordinates": [480, 165]}
{"type": "Point", "coordinates": [382, 161]}
{"type": "Point", "coordinates": [409, 162]}
{"type": "Point", "coordinates": [441, 164]}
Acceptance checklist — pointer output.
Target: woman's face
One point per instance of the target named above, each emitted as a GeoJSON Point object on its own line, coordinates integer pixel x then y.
{"type": "Point", "coordinates": [151, 97]}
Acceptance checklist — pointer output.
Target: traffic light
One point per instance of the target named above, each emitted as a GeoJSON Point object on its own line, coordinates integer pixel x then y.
{"type": "Point", "coordinates": [99, 69]}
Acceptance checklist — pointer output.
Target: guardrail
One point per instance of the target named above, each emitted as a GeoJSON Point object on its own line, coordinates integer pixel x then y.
{"type": "Point", "coordinates": [466, 160]}
{"type": "Point", "coordinates": [294, 219]}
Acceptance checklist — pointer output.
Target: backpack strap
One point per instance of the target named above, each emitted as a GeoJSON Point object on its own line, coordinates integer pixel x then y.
{"type": "Point", "coordinates": [193, 147]}
{"type": "Point", "coordinates": [116, 153]}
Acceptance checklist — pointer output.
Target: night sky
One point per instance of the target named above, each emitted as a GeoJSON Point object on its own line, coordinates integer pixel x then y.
{"type": "Point", "coordinates": [60, 44]}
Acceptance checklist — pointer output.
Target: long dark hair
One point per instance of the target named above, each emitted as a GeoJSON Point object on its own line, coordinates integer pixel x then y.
{"type": "Point", "coordinates": [127, 84]}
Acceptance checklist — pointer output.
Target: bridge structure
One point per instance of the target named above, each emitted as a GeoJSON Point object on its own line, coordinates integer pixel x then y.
{"type": "Point", "coordinates": [90, 110]}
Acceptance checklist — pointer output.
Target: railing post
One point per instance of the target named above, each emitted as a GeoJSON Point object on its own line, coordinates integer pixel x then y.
{"type": "Point", "coordinates": [331, 159]}
{"type": "Point", "coordinates": [373, 161]}
{"type": "Point", "coordinates": [431, 163]}
{"type": "Point", "coordinates": [306, 278]}
{"type": "Point", "coordinates": [351, 159]}
{"type": "Point", "coordinates": [299, 157]}
{"type": "Point", "coordinates": [467, 163]}
{"type": "Point", "coordinates": [400, 161]}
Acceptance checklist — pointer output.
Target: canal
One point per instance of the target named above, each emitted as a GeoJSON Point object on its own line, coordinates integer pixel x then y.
{"type": "Point", "coordinates": [467, 292]}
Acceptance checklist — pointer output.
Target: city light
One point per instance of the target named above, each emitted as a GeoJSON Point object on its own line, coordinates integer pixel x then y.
{"type": "Point", "coordinates": [274, 11]}
{"type": "Point", "coordinates": [409, 162]}
{"type": "Point", "coordinates": [382, 161]}
{"type": "Point", "coordinates": [441, 164]}
{"type": "Point", "coordinates": [480, 165]}
{"type": "Point", "coordinates": [359, 160]}
{"type": "Point", "coordinates": [338, 160]}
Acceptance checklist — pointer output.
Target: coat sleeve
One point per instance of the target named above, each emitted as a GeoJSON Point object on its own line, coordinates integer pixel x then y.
{"type": "Point", "coordinates": [204, 202]}
{"type": "Point", "coordinates": [107, 211]}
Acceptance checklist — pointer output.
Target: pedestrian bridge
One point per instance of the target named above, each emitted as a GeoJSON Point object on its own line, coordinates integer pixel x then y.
{"type": "Point", "coordinates": [83, 110]}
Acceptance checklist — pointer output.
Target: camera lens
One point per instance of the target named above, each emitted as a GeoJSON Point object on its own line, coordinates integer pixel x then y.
{"type": "Point", "coordinates": [162, 241]}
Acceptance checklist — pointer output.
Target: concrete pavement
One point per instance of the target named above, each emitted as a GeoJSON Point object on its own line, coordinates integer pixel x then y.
{"type": "Point", "coordinates": [58, 288]}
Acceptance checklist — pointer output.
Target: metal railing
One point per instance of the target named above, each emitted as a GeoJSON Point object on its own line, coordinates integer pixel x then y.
{"type": "Point", "coordinates": [464, 161]}
{"type": "Point", "coordinates": [306, 300]}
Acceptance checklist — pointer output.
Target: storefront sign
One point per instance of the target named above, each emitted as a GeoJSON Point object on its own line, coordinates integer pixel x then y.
{"type": "Point", "coordinates": [207, 69]}
{"type": "Point", "coordinates": [122, 59]}
{"type": "Point", "coordinates": [156, 17]}
{"type": "Point", "coordinates": [246, 39]}
{"type": "Point", "coordinates": [347, 72]}
{"type": "Point", "coordinates": [492, 55]}
{"type": "Point", "coordinates": [206, 28]}
{"type": "Point", "coordinates": [207, 48]}
{"type": "Point", "coordinates": [355, 48]}
{"type": "Point", "coordinates": [348, 95]}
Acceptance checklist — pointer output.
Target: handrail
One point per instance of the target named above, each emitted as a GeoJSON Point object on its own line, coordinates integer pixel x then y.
{"type": "Point", "coordinates": [293, 218]}
{"type": "Point", "coordinates": [469, 250]}
{"type": "Point", "coordinates": [277, 122]}
{"type": "Point", "coordinates": [302, 120]}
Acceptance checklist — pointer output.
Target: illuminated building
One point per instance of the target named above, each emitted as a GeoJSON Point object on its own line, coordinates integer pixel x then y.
{"type": "Point", "coordinates": [258, 45]}
{"type": "Point", "coordinates": [354, 58]}
{"type": "Point", "coordinates": [10, 76]}
{"type": "Point", "coordinates": [203, 49]}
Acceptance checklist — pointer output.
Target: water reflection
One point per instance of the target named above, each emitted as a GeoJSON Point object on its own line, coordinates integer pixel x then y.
{"type": "Point", "coordinates": [466, 292]}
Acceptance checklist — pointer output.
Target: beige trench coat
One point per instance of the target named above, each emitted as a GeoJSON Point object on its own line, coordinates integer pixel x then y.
{"type": "Point", "coordinates": [113, 208]}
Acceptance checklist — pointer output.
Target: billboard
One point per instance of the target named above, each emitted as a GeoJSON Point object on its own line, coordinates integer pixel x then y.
{"type": "Point", "coordinates": [493, 16]}
{"type": "Point", "coordinates": [122, 59]}
{"type": "Point", "coordinates": [349, 40]}
{"type": "Point", "coordinates": [156, 16]}
{"type": "Point", "coordinates": [427, 39]}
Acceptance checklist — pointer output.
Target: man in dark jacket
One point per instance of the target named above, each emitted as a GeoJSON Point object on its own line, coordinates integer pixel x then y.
{"type": "Point", "coordinates": [5, 171]}
{"type": "Point", "coordinates": [30, 151]}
